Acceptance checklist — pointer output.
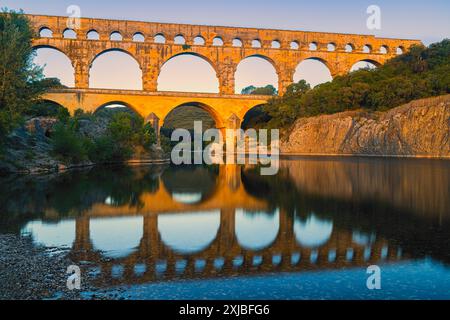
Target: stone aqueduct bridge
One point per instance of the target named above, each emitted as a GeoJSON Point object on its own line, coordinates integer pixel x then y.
{"type": "Point", "coordinates": [224, 48]}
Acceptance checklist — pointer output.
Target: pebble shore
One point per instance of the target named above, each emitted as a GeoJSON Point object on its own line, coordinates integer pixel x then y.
{"type": "Point", "coordinates": [28, 272]}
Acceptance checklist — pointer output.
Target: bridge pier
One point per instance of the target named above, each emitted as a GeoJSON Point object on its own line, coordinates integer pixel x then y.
{"type": "Point", "coordinates": [81, 70]}
{"type": "Point", "coordinates": [150, 73]}
{"type": "Point", "coordinates": [150, 243]}
{"type": "Point", "coordinates": [285, 79]}
{"type": "Point", "coordinates": [153, 120]}
{"type": "Point", "coordinates": [225, 74]}
{"type": "Point", "coordinates": [82, 234]}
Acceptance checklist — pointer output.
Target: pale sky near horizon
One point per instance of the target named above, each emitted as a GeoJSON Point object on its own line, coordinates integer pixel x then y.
{"type": "Point", "coordinates": [428, 21]}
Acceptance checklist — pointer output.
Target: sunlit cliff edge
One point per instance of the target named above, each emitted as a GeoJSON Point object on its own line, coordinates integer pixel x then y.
{"type": "Point", "coordinates": [420, 128]}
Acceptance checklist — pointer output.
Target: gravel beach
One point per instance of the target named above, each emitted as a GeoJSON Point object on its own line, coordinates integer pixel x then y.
{"type": "Point", "coordinates": [28, 272]}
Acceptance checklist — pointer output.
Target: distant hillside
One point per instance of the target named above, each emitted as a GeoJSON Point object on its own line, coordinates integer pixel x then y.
{"type": "Point", "coordinates": [184, 117]}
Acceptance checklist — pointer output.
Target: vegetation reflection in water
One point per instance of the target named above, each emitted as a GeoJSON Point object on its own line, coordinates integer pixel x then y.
{"type": "Point", "coordinates": [149, 225]}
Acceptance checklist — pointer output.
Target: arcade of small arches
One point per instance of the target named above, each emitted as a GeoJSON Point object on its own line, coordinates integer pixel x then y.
{"type": "Point", "coordinates": [199, 40]}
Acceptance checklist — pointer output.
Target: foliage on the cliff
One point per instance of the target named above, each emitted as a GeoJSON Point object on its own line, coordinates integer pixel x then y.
{"type": "Point", "coordinates": [124, 132]}
{"type": "Point", "coordinates": [421, 72]}
{"type": "Point", "coordinates": [21, 81]}
{"type": "Point", "coordinates": [268, 90]}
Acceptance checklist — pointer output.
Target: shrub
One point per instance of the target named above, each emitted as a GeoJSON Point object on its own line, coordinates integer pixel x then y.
{"type": "Point", "coordinates": [68, 144]}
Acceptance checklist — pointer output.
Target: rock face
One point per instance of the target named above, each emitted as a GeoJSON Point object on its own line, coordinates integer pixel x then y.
{"type": "Point", "coordinates": [28, 149]}
{"type": "Point", "coordinates": [419, 128]}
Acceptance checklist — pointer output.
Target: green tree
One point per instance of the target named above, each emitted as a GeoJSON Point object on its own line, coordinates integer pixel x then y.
{"type": "Point", "coordinates": [248, 90]}
{"type": "Point", "coordinates": [21, 82]}
{"type": "Point", "coordinates": [268, 90]}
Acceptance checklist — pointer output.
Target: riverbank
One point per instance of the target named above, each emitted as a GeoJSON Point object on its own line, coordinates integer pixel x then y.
{"type": "Point", "coordinates": [29, 150]}
{"type": "Point", "coordinates": [419, 129]}
{"type": "Point", "coordinates": [29, 272]}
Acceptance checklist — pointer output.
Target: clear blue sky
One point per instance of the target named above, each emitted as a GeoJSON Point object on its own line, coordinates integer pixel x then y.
{"type": "Point", "coordinates": [428, 21]}
{"type": "Point", "coordinates": [425, 20]}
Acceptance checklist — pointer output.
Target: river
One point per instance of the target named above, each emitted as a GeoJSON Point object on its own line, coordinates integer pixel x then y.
{"type": "Point", "coordinates": [226, 232]}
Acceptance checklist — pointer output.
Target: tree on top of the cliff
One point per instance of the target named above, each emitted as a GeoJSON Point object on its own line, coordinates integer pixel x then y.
{"type": "Point", "coordinates": [21, 81]}
{"type": "Point", "coordinates": [268, 90]}
{"type": "Point", "coordinates": [419, 73]}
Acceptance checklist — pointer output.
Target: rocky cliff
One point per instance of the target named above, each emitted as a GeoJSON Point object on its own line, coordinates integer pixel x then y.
{"type": "Point", "coordinates": [420, 128]}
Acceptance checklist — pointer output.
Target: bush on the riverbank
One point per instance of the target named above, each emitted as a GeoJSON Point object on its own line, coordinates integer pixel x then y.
{"type": "Point", "coordinates": [123, 133]}
{"type": "Point", "coordinates": [421, 72]}
{"type": "Point", "coordinates": [67, 143]}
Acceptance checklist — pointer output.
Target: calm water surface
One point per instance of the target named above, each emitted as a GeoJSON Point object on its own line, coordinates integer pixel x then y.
{"type": "Point", "coordinates": [225, 232]}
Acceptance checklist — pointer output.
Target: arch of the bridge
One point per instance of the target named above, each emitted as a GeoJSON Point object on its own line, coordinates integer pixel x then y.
{"type": "Point", "coordinates": [118, 103]}
{"type": "Point", "coordinates": [220, 122]}
{"type": "Point", "coordinates": [208, 188]}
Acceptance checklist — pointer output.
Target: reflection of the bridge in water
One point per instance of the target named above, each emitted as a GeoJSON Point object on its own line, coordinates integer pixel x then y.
{"type": "Point", "coordinates": [234, 245]}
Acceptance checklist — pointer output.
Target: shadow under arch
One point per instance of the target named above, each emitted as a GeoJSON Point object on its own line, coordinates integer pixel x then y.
{"type": "Point", "coordinates": [116, 102]}
{"type": "Point", "coordinates": [54, 102]}
{"type": "Point", "coordinates": [190, 184]}
{"type": "Point", "coordinates": [220, 123]}
{"type": "Point", "coordinates": [253, 116]}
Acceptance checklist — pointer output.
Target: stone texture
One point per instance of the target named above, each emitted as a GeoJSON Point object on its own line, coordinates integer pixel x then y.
{"type": "Point", "coordinates": [41, 125]}
{"type": "Point", "coordinates": [151, 56]}
{"type": "Point", "coordinates": [420, 128]}
{"type": "Point", "coordinates": [224, 59]}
